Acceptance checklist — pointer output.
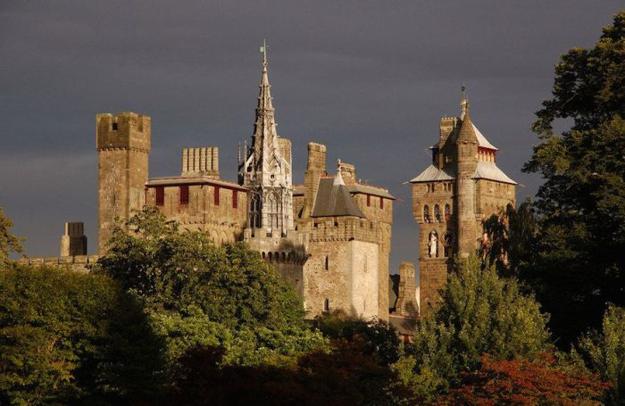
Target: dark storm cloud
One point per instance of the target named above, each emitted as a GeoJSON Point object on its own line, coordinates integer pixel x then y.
{"type": "Point", "coordinates": [370, 79]}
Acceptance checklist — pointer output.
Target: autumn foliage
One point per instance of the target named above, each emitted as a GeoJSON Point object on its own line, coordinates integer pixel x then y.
{"type": "Point", "coordinates": [524, 382]}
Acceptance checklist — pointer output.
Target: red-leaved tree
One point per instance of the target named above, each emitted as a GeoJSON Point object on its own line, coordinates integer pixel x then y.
{"type": "Point", "coordinates": [523, 382]}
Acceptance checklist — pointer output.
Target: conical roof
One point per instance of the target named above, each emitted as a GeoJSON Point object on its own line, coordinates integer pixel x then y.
{"type": "Point", "coordinates": [467, 129]}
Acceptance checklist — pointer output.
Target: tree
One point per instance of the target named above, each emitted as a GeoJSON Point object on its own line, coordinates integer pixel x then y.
{"type": "Point", "coordinates": [604, 352]}
{"type": "Point", "coordinates": [8, 242]}
{"type": "Point", "coordinates": [480, 313]}
{"type": "Point", "coordinates": [524, 382]}
{"type": "Point", "coordinates": [581, 206]}
{"type": "Point", "coordinates": [173, 270]}
{"type": "Point", "coordinates": [379, 339]}
{"type": "Point", "coordinates": [512, 237]}
{"type": "Point", "coordinates": [68, 337]}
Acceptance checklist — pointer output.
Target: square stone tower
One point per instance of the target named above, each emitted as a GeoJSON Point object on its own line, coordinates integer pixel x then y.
{"type": "Point", "coordinates": [123, 143]}
{"type": "Point", "coordinates": [462, 187]}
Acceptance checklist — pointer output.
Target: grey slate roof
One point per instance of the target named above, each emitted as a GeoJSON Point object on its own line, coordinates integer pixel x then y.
{"type": "Point", "coordinates": [334, 200]}
{"type": "Point", "coordinates": [490, 171]}
{"type": "Point", "coordinates": [370, 190]}
{"type": "Point", "coordinates": [430, 174]}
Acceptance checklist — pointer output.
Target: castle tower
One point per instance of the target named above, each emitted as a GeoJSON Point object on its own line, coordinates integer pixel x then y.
{"type": "Point", "coordinates": [123, 144]}
{"type": "Point", "coordinates": [452, 197]}
{"type": "Point", "coordinates": [266, 168]}
{"type": "Point", "coordinates": [466, 149]}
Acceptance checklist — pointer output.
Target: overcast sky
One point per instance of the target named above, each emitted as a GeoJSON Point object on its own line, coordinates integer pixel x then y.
{"type": "Point", "coordinates": [369, 79]}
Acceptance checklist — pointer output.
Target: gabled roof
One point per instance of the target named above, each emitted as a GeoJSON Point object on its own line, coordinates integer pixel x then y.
{"type": "Point", "coordinates": [432, 174]}
{"type": "Point", "coordinates": [334, 200]}
{"type": "Point", "coordinates": [490, 171]}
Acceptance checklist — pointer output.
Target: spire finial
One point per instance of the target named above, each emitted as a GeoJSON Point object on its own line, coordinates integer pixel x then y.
{"type": "Point", "coordinates": [464, 102]}
{"type": "Point", "coordinates": [263, 50]}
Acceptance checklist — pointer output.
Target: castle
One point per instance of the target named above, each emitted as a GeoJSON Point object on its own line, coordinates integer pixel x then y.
{"type": "Point", "coordinates": [329, 237]}
{"type": "Point", "coordinates": [451, 197]}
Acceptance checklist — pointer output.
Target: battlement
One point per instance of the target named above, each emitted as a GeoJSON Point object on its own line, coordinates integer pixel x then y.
{"type": "Point", "coordinates": [447, 125]}
{"type": "Point", "coordinates": [81, 263]}
{"type": "Point", "coordinates": [344, 229]}
{"type": "Point", "coordinates": [125, 130]}
{"type": "Point", "coordinates": [200, 162]}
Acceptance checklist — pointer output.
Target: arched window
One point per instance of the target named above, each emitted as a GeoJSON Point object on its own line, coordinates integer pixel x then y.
{"type": "Point", "coordinates": [433, 244]}
{"type": "Point", "coordinates": [449, 240]}
{"type": "Point", "coordinates": [447, 212]}
{"type": "Point", "coordinates": [270, 256]}
{"type": "Point", "coordinates": [437, 213]}
{"type": "Point", "coordinates": [326, 305]}
{"type": "Point", "coordinates": [426, 214]}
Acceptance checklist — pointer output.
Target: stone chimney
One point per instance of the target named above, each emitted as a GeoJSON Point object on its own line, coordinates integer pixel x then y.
{"type": "Point", "coordinates": [74, 241]}
{"type": "Point", "coordinates": [201, 162]}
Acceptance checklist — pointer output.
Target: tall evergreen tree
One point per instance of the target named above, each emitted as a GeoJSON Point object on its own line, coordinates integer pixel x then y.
{"type": "Point", "coordinates": [581, 206]}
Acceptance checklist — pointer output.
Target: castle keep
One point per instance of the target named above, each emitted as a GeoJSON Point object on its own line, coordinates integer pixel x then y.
{"type": "Point", "coordinates": [452, 196]}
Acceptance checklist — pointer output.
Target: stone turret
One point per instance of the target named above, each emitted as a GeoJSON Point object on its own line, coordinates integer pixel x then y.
{"type": "Point", "coordinates": [315, 169]}
{"type": "Point", "coordinates": [123, 142]}
{"type": "Point", "coordinates": [467, 145]}
{"type": "Point", "coordinates": [451, 198]}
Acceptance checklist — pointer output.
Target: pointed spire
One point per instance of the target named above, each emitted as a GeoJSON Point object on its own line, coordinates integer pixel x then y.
{"type": "Point", "coordinates": [464, 103]}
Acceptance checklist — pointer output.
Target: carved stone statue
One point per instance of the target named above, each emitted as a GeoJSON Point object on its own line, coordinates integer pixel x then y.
{"type": "Point", "coordinates": [433, 245]}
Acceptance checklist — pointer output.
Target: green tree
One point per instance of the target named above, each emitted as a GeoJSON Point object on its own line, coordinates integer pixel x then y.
{"type": "Point", "coordinates": [512, 239]}
{"type": "Point", "coordinates": [379, 339]}
{"type": "Point", "coordinates": [581, 206]}
{"type": "Point", "coordinates": [173, 270]}
{"type": "Point", "coordinates": [480, 313]}
{"type": "Point", "coordinates": [604, 353]}
{"type": "Point", "coordinates": [68, 337]}
{"type": "Point", "coordinates": [8, 242]}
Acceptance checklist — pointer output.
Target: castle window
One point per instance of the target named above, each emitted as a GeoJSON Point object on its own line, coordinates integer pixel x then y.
{"type": "Point", "coordinates": [326, 264]}
{"type": "Point", "coordinates": [114, 126]}
{"type": "Point", "coordinates": [381, 202]}
{"type": "Point", "coordinates": [437, 213]}
{"type": "Point", "coordinates": [216, 197]}
{"type": "Point", "coordinates": [448, 244]}
{"type": "Point", "coordinates": [160, 195]}
{"type": "Point", "coordinates": [326, 305]}
{"type": "Point", "coordinates": [235, 199]}
{"type": "Point", "coordinates": [368, 200]}
{"type": "Point", "coordinates": [426, 214]}
{"type": "Point", "coordinates": [447, 212]}
{"type": "Point", "coordinates": [184, 194]}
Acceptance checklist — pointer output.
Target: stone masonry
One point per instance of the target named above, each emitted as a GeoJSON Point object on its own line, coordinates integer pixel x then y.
{"type": "Point", "coordinates": [462, 187]}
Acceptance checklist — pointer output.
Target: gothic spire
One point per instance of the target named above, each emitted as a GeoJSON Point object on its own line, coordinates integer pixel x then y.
{"type": "Point", "coordinates": [265, 133]}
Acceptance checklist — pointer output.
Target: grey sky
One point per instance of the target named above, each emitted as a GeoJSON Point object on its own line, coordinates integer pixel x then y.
{"type": "Point", "coordinates": [368, 78]}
